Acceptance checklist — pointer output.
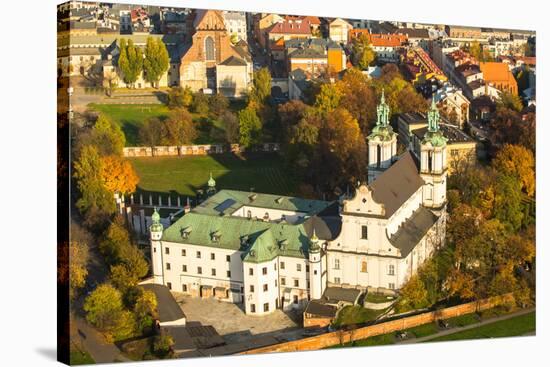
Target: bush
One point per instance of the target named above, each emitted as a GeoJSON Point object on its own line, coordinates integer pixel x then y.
{"type": "Point", "coordinates": [162, 345]}
{"type": "Point", "coordinates": [200, 103]}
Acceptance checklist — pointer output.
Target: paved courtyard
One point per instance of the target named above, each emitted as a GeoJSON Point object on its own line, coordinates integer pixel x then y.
{"type": "Point", "coordinates": [233, 324]}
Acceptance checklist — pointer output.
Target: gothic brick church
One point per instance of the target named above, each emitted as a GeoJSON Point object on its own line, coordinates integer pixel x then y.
{"type": "Point", "coordinates": [211, 62]}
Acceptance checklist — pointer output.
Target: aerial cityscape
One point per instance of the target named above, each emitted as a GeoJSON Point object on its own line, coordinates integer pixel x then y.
{"type": "Point", "coordinates": [246, 183]}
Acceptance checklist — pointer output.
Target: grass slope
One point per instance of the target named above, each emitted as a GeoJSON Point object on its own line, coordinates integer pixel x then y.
{"type": "Point", "coordinates": [514, 326]}
{"type": "Point", "coordinates": [184, 175]}
{"type": "Point", "coordinates": [351, 315]}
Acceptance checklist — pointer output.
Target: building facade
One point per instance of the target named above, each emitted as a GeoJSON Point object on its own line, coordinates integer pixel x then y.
{"type": "Point", "coordinates": [269, 251]}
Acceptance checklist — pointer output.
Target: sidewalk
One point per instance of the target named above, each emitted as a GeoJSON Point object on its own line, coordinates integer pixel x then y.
{"type": "Point", "coordinates": [473, 326]}
{"type": "Point", "coordinates": [94, 343]}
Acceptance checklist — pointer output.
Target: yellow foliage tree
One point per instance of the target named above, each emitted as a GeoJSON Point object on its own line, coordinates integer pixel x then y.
{"type": "Point", "coordinates": [118, 175]}
{"type": "Point", "coordinates": [517, 161]}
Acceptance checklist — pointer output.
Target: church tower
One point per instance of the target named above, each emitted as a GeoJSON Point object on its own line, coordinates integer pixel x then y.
{"type": "Point", "coordinates": [155, 231]}
{"type": "Point", "coordinates": [315, 271]}
{"type": "Point", "coordinates": [433, 162]}
{"type": "Point", "coordinates": [382, 142]}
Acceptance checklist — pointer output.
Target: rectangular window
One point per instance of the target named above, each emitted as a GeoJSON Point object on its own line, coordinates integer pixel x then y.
{"type": "Point", "coordinates": [364, 232]}
{"type": "Point", "coordinates": [228, 258]}
{"type": "Point", "coordinates": [274, 266]}
{"type": "Point", "coordinates": [282, 265]}
{"type": "Point", "coordinates": [252, 308]}
{"type": "Point", "coordinates": [363, 266]}
{"type": "Point", "coordinates": [199, 270]}
{"type": "Point", "coordinates": [169, 285]}
{"type": "Point", "coordinates": [184, 268]}
{"type": "Point", "coordinates": [212, 256]}
{"type": "Point", "coordinates": [213, 272]}
{"type": "Point", "coordinates": [266, 307]}
{"type": "Point", "coordinates": [265, 287]}
{"type": "Point", "coordinates": [336, 280]}
{"type": "Point", "coordinates": [295, 298]}
{"type": "Point", "coordinates": [229, 274]}
{"type": "Point", "coordinates": [336, 264]}
{"type": "Point", "coordinates": [183, 252]}
{"type": "Point", "coordinates": [167, 266]}
{"type": "Point", "coordinates": [307, 268]}
{"type": "Point", "coordinates": [275, 282]}
{"type": "Point", "coordinates": [391, 285]}
{"type": "Point", "coordinates": [198, 254]}
{"type": "Point", "coordinates": [184, 287]}
{"type": "Point", "coordinates": [167, 250]}
{"type": "Point", "coordinates": [391, 270]}
{"type": "Point", "coordinates": [308, 286]}
{"type": "Point", "coordinates": [283, 281]}
{"type": "Point", "coordinates": [264, 271]}
{"type": "Point", "coordinates": [298, 267]}
{"type": "Point", "coordinates": [296, 282]}
{"type": "Point", "coordinates": [251, 289]}
{"type": "Point", "coordinates": [250, 271]}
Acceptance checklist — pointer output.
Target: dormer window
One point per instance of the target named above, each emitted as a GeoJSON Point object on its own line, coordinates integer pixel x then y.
{"type": "Point", "coordinates": [253, 197]}
{"type": "Point", "coordinates": [185, 232]}
{"type": "Point", "coordinates": [216, 236]}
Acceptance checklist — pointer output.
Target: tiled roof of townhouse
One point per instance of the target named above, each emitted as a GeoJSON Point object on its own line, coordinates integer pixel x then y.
{"type": "Point", "coordinates": [413, 32]}
{"type": "Point", "coordinates": [496, 72]}
{"type": "Point", "coordinates": [380, 40]}
{"type": "Point", "coordinates": [290, 27]}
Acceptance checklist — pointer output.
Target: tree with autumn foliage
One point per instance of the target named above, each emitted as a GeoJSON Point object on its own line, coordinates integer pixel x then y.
{"type": "Point", "coordinates": [107, 136]}
{"type": "Point", "coordinates": [118, 175]}
{"type": "Point", "coordinates": [78, 271]}
{"type": "Point", "coordinates": [362, 52]}
{"type": "Point", "coordinates": [519, 162]}
{"type": "Point", "coordinates": [413, 295]}
{"type": "Point", "coordinates": [180, 128]}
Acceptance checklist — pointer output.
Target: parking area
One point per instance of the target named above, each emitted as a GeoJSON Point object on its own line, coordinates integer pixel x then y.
{"type": "Point", "coordinates": [233, 324]}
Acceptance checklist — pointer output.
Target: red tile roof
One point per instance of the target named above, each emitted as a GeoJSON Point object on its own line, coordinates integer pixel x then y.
{"type": "Point", "coordinates": [290, 27]}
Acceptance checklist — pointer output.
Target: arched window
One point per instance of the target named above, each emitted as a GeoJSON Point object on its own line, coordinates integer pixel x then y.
{"type": "Point", "coordinates": [378, 155]}
{"type": "Point", "coordinates": [364, 267]}
{"type": "Point", "coordinates": [209, 48]}
{"type": "Point", "coordinates": [430, 158]}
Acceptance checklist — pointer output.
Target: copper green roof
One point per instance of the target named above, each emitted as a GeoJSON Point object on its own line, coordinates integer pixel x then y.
{"type": "Point", "coordinates": [227, 201]}
{"type": "Point", "coordinates": [434, 136]}
{"type": "Point", "coordinates": [210, 224]}
{"type": "Point", "coordinates": [156, 226]}
{"type": "Point", "coordinates": [383, 129]}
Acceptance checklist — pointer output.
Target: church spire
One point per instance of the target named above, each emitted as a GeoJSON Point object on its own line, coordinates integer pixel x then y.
{"type": "Point", "coordinates": [382, 112]}
{"type": "Point", "coordinates": [433, 117]}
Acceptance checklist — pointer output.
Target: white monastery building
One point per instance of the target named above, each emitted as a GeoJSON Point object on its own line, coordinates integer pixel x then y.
{"type": "Point", "coordinates": [269, 251]}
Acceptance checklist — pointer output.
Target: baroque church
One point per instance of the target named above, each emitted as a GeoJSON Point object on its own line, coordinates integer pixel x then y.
{"type": "Point", "coordinates": [269, 251]}
{"type": "Point", "coordinates": [210, 61]}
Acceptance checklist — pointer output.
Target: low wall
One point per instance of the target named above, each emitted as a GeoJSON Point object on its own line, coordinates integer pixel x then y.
{"type": "Point", "coordinates": [341, 337]}
{"type": "Point", "coordinates": [186, 150]}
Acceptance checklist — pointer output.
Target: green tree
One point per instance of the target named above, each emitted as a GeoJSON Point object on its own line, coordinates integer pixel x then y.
{"type": "Point", "coordinates": [328, 98]}
{"type": "Point", "coordinates": [96, 202]}
{"type": "Point", "coordinates": [179, 97]}
{"type": "Point", "coordinates": [162, 345]}
{"type": "Point", "coordinates": [362, 52]}
{"type": "Point", "coordinates": [231, 127]}
{"type": "Point", "coordinates": [122, 277]}
{"type": "Point", "coordinates": [115, 239]}
{"type": "Point", "coordinates": [156, 61]}
{"type": "Point", "coordinates": [250, 127]}
{"type": "Point", "coordinates": [509, 100]}
{"type": "Point", "coordinates": [508, 208]}
{"type": "Point", "coordinates": [261, 89]}
{"type": "Point", "coordinates": [218, 104]}
{"type": "Point", "coordinates": [130, 61]}
{"type": "Point", "coordinates": [180, 128]}
{"type": "Point", "coordinates": [152, 133]}
{"type": "Point", "coordinates": [107, 136]}
{"type": "Point", "coordinates": [413, 294]}
{"type": "Point", "coordinates": [104, 307]}
{"type": "Point", "coordinates": [200, 103]}
{"type": "Point", "coordinates": [78, 262]}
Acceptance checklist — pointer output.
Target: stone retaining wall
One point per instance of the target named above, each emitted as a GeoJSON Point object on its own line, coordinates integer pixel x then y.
{"type": "Point", "coordinates": [186, 150]}
{"type": "Point", "coordinates": [341, 337]}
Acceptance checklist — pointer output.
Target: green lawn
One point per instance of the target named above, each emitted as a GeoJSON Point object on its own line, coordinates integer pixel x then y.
{"type": "Point", "coordinates": [423, 330]}
{"type": "Point", "coordinates": [463, 320]}
{"type": "Point", "coordinates": [79, 356]}
{"type": "Point", "coordinates": [514, 326]}
{"type": "Point", "coordinates": [378, 298]}
{"type": "Point", "coordinates": [130, 117]}
{"type": "Point", "coordinates": [184, 175]}
{"type": "Point", "coordinates": [351, 315]}
{"type": "Point", "coordinates": [384, 339]}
